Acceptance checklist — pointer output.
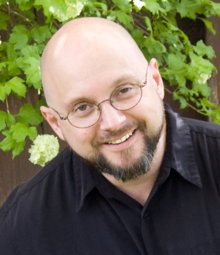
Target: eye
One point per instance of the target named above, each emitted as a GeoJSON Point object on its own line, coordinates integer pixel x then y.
{"type": "Point", "coordinates": [125, 90]}
{"type": "Point", "coordinates": [82, 108]}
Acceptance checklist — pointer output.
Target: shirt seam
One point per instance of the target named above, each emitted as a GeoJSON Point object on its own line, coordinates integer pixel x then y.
{"type": "Point", "coordinates": [8, 208]}
{"type": "Point", "coordinates": [202, 132]}
{"type": "Point", "coordinates": [7, 223]}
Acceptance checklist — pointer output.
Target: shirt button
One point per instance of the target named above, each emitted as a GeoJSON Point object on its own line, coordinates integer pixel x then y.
{"type": "Point", "coordinates": [146, 215]}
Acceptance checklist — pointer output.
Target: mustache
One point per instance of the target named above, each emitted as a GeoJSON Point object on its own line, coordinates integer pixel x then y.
{"type": "Point", "coordinates": [114, 135]}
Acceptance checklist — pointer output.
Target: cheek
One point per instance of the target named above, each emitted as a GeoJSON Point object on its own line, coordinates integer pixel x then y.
{"type": "Point", "coordinates": [80, 140]}
{"type": "Point", "coordinates": [150, 110]}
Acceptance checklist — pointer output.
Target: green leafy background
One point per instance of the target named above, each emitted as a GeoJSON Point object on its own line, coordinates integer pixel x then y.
{"type": "Point", "coordinates": [30, 23]}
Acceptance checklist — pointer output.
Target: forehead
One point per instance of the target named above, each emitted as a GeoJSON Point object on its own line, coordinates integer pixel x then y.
{"type": "Point", "coordinates": [96, 90]}
{"type": "Point", "coordinates": [91, 67]}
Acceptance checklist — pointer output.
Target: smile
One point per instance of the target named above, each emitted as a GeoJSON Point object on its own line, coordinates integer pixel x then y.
{"type": "Point", "coordinates": [121, 140]}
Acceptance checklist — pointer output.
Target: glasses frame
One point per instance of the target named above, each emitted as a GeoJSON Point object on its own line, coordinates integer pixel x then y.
{"type": "Point", "coordinates": [141, 86]}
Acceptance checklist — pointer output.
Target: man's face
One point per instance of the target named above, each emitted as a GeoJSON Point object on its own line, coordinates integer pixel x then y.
{"type": "Point", "coordinates": [93, 80]}
{"type": "Point", "coordinates": [141, 125]}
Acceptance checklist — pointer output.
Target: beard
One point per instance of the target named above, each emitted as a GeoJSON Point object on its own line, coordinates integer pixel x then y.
{"type": "Point", "coordinates": [139, 166]}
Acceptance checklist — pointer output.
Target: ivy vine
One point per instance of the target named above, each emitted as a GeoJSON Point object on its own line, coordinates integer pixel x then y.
{"type": "Point", "coordinates": [30, 23]}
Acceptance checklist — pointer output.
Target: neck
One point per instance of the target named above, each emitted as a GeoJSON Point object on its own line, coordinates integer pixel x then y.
{"type": "Point", "coordinates": [140, 188]}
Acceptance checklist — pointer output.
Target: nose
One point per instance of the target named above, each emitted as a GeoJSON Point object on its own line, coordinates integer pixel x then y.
{"type": "Point", "coordinates": [111, 118]}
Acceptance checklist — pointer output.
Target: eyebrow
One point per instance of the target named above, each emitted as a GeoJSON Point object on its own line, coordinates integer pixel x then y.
{"type": "Point", "coordinates": [117, 82]}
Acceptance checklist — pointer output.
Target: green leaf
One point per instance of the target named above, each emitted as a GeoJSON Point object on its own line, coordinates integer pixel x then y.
{"type": "Point", "coordinates": [204, 89]}
{"type": "Point", "coordinates": [182, 100]}
{"type": "Point", "coordinates": [28, 51]}
{"type": "Point", "coordinates": [190, 8]}
{"type": "Point", "coordinates": [2, 65]}
{"type": "Point", "coordinates": [6, 118]}
{"type": "Point", "coordinates": [3, 2]}
{"type": "Point", "coordinates": [2, 93]}
{"type": "Point", "coordinates": [138, 36]}
{"type": "Point", "coordinates": [123, 4]}
{"type": "Point", "coordinates": [216, 9]}
{"type": "Point", "coordinates": [74, 8]}
{"type": "Point", "coordinates": [20, 131]}
{"type": "Point", "coordinates": [25, 4]}
{"type": "Point", "coordinates": [180, 78]}
{"type": "Point", "coordinates": [41, 103]}
{"type": "Point", "coordinates": [40, 34]}
{"type": "Point", "coordinates": [8, 143]}
{"type": "Point", "coordinates": [200, 65]}
{"type": "Point", "coordinates": [31, 51]}
{"type": "Point", "coordinates": [52, 7]}
{"type": "Point", "coordinates": [153, 6]}
{"type": "Point", "coordinates": [176, 61]}
{"type": "Point", "coordinates": [33, 72]}
{"type": "Point", "coordinates": [16, 85]}
{"type": "Point", "coordinates": [21, 64]}
{"type": "Point", "coordinates": [3, 116]}
{"type": "Point", "coordinates": [148, 24]}
{"type": "Point", "coordinates": [11, 54]}
{"type": "Point", "coordinates": [208, 24]}
{"type": "Point", "coordinates": [13, 69]}
{"type": "Point", "coordinates": [101, 5]}
{"type": "Point", "coordinates": [21, 1]}
{"type": "Point", "coordinates": [3, 20]}
{"type": "Point", "coordinates": [19, 37]}
{"type": "Point", "coordinates": [18, 148]}
{"type": "Point", "coordinates": [201, 49]}
{"type": "Point", "coordinates": [29, 115]}
{"type": "Point", "coordinates": [10, 120]}
{"type": "Point", "coordinates": [154, 46]}
{"type": "Point", "coordinates": [207, 103]}
{"type": "Point", "coordinates": [121, 16]}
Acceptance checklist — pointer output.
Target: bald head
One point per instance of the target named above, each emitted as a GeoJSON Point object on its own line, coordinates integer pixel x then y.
{"type": "Point", "coordinates": [80, 50]}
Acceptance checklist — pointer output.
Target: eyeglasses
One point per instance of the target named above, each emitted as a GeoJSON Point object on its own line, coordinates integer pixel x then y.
{"type": "Point", "coordinates": [85, 114]}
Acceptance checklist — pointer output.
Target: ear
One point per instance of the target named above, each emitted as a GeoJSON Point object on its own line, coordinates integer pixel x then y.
{"type": "Point", "coordinates": [157, 77]}
{"type": "Point", "coordinates": [53, 121]}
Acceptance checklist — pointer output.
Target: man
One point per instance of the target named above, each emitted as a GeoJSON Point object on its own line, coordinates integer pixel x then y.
{"type": "Point", "coordinates": [138, 180]}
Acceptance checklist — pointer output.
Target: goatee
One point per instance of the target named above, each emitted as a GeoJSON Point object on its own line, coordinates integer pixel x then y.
{"type": "Point", "coordinates": [138, 168]}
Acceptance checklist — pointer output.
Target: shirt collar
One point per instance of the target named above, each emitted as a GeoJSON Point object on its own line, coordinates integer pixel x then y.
{"type": "Point", "coordinates": [179, 154]}
{"type": "Point", "coordinates": [85, 178]}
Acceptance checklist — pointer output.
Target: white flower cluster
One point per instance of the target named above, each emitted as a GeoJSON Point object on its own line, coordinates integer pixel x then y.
{"type": "Point", "coordinates": [44, 149]}
{"type": "Point", "coordinates": [203, 78]}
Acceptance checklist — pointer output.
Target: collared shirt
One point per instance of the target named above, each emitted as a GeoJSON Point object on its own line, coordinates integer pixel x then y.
{"type": "Point", "coordinates": [69, 208]}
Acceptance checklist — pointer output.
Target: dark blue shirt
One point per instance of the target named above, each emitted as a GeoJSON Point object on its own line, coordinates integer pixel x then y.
{"type": "Point", "coordinates": [70, 208]}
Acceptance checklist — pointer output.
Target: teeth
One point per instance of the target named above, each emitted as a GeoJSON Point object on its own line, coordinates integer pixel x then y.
{"type": "Point", "coordinates": [122, 139]}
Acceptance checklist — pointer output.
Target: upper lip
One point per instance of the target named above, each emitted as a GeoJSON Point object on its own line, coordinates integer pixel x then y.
{"type": "Point", "coordinates": [114, 139]}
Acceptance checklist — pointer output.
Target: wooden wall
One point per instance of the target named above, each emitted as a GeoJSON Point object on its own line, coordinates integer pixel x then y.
{"type": "Point", "coordinates": [13, 172]}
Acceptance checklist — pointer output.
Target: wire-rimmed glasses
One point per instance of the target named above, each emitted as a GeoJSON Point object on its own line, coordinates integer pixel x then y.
{"type": "Point", "coordinates": [86, 114]}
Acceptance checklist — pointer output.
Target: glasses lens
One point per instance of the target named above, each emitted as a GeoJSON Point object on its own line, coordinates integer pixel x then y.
{"type": "Point", "coordinates": [86, 114]}
{"type": "Point", "coordinates": [126, 96]}
{"type": "Point", "coordinates": [83, 115]}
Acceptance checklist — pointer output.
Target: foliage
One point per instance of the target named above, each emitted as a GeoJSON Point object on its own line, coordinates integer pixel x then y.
{"type": "Point", "coordinates": [30, 23]}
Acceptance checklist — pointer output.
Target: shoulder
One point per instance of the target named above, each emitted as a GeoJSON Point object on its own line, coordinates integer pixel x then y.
{"type": "Point", "coordinates": [38, 202]}
{"type": "Point", "coordinates": [205, 137]}
{"type": "Point", "coordinates": [203, 127]}
{"type": "Point", "coordinates": [32, 188]}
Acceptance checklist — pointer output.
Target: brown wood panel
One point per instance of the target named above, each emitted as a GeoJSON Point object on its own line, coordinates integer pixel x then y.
{"type": "Point", "coordinates": [19, 169]}
{"type": "Point", "coordinates": [12, 172]}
